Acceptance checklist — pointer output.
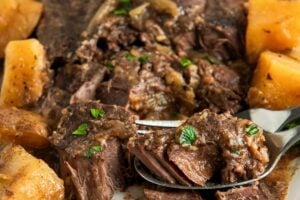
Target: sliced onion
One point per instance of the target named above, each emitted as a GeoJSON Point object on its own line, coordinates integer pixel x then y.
{"type": "Point", "coordinates": [136, 12]}
{"type": "Point", "coordinates": [104, 9]}
{"type": "Point", "coordinates": [166, 6]}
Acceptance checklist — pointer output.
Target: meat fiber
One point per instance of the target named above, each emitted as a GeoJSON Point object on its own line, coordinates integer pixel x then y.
{"type": "Point", "coordinates": [222, 147]}
{"type": "Point", "coordinates": [98, 175]}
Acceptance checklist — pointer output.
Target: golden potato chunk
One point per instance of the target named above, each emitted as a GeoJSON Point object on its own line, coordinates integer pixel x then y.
{"type": "Point", "coordinates": [24, 177]}
{"type": "Point", "coordinates": [25, 73]}
{"type": "Point", "coordinates": [272, 25]}
{"type": "Point", "coordinates": [23, 127]}
{"type": "Point", "coordinates": [276, 82]}
{"type": "Point", "coordinates": [17, 20]}
{"type": "Point", "coordinates": [294, 53]}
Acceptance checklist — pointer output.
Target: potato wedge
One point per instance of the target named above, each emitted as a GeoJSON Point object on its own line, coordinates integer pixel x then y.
{"type": "Point", "coordinates": [23, 127]}
{"type": "Point", "coordinates": [17, 20]}
{"type": "Point", "coordinates": [25, 73]}
{"type": "Point", "coordinates": [272, 25]}
{"type": "Point", "coordinates": [276, 82]}
{"type": "Point", "coordinates": [294, 53]}
{"type": "Point", "coordinates": [24, 177]}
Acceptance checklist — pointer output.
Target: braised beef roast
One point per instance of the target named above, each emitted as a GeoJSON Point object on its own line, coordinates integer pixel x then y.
{"type": "Point", "coordinates": [154, 60]}
{"type": "Point", "coordinates": [254, 192]}
{"type": "Point", "coordinates": [221, 145]}
{"type": "Point", "coordinates": [94, 174]}
{"type": "Point", "coordinates": [161, 194]}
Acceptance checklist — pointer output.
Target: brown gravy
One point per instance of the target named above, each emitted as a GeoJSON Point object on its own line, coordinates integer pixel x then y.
{"type": "Point", "coordinates": [278, 180]}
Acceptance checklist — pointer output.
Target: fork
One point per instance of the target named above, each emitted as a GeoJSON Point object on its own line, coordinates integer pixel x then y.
{"type": "Point", "coordinates": [277, 141]}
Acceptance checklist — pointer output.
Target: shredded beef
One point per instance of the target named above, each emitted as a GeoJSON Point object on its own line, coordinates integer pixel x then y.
{"type": "Point", "coordinates": [95, 66]}
{"type": "Point", "coordinates": [254, 192]}
{"type": "Point", "coordinates": [160, 194]}
{"type": "Point", "coordinates": [100, 175]}
{"type": "Point", "coordinates": [222, 147]}
{"type": "Point", "coordinates": [219, 89]}
{"type": "Point", "coordinates": [62, 24]}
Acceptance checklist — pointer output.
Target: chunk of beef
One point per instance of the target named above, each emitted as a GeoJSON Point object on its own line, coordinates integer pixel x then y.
{"type": "Point", "coordinates": [222, 146]}
{"type": "Point", "coordinates": [157, 88]}
{"type": "Point", "coordinates": [138, 149]}
{"type": "Point", "coordinates": [222, 32]}
{"type": "Point", "coordinates": [160, 194]}
{"type": "Point", "coordinates": [51, 105]}
{"type": "Point", "coordinates": [87, 90]}
{"type": "Point", "coordinates": [198, 165]}
{"type": "Point", "coordinates": [151, 149]}
{"type": "Point", "coordinates": [244, 156]}
{"type": "Point", "coordinates": [114, 92]}
{"type": "Point", "coordinates": [99, 178]}
{"type": "Point", "coordinates": [73, 83]}
{"type": "Point", "coordinates": [220, 88]}
{"type": "Point", "coordinates": [74, 78]}
{"type": "Point", "coordinates": [151, 88]}
{"type": "Point", "coordinates": [254, 192]}
{"type": "Point", "coordinates": [62, 24]}
{"type": "Point", "coordinates": [113, 35]}
{"type": "Point", "coordinates": [98, 175]}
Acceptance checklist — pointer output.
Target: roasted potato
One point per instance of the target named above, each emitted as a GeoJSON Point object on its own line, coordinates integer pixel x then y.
{"type": "Point", "coordinates": [25, 75]}
{"type": "Point", "coordinates": [24, 177]}
{"type": "Point", "coordinates": [276, 82]}
{"type": "Point", "coordinates": [272, 25]}
{"type": "Point", "coordinates": [17, 20]}
{"type": "Point", "coordinates": [23, 127]}
{"type": "Point", "coordinates": [294, 53]}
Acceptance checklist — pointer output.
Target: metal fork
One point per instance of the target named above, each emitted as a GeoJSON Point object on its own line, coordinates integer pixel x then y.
{"type": "Point", "coordinates": [277, 141]}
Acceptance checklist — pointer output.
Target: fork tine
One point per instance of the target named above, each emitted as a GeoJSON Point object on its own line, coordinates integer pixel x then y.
{"type": "Point", "coordinates": [160, 123]}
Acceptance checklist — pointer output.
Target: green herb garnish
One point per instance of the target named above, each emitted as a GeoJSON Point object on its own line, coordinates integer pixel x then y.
{"type": "Point", "coordinates": [143, 59]}
{"type": "Point", "coordinates": [92, 151]}
{"type": "Point", "coordinates": [125, 2]}
{"type": "Point", "coordinates": [184, 62]}
{"type": "Point", "coordinates": [97, 113]}
{"type": "Point", "coordinates": [252, 129]}
{"type": "Point", "coordinates": [188, 135]}
{"type": "Point", "coordinates": [109, 66]}
{"type": "Point", "coordinates": [81, 130]}
{"type": "Point", "coordinates": [130, 57]}
{"type": "Point", "coordinates": [120, 12]}
{"type": "Point", "coordinates": [235, 151]}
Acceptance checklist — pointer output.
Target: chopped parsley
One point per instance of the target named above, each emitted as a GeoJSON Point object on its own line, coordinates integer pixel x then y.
{"type": "Point", "coordinates": [92, 151]}
{"type": "Point", "coordinates": [235, 151]}
{"type": "Point", "coordinates": [120, 12]}
{"type": "Point", "coordinates": [252, 129]}
{"type": "Point", "coordinates": [185, 62]}
{"type": "Point", "coordinates": [109, 66]}
{"type": "Point", "coordinates": [143, 58]}
{"type": "Point", "coordinates": [81, 130]}
{"type": "Point", "coordinates": [125, 2]}
{"type": "Point", "coordinates": [187, 135]}
{"type": "Point", "coordinates": [97, 112]}
{"type": "Point", "coordinates": [130, 57]}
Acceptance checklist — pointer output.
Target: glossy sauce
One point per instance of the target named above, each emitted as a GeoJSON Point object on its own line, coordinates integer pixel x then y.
{"type": "Point", "coordinates": [278, 181]}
